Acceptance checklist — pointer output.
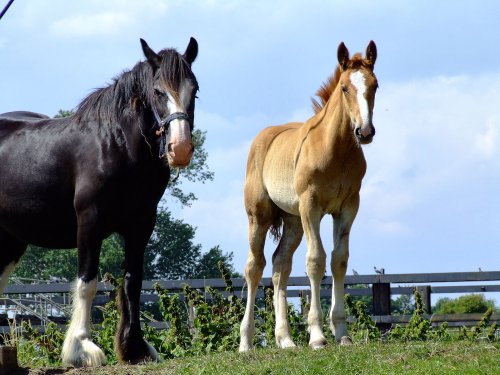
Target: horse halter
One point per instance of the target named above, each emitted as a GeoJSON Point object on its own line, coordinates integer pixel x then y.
{"type": "Point", "coordinates": [163, 125]}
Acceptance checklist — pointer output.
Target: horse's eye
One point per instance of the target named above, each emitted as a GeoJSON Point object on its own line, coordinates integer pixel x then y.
{"type": "Point", "coordinates": [344, 89]}
{"type": "Point", "coordinates": [160, 93]}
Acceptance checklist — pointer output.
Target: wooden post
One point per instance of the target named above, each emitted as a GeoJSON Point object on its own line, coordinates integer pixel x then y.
{"type": "Point", "coordinates": [382, 302]}
{"type": "Point", "coordinates": [8, 359]}
{"type": "Point", "coordinates": [425, 293]}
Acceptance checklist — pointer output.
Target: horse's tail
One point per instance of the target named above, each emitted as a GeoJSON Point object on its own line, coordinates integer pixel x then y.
{"type": "Point", "coordinates": [275, 230]}
{"type": "Point", "coordinates": [121, 329]}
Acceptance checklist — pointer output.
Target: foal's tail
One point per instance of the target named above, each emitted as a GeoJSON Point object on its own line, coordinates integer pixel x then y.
{"type": "Point", "coordinates": [275, 230]}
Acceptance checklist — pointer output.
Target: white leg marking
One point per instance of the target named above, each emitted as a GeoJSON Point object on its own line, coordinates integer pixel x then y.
{"type": "Point", "coordinates": [78, 350]}
{"type": "Point", "coordinates": [4, 277]}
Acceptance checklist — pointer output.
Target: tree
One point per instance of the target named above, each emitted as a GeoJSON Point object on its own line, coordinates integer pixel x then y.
{"type": "Point", "coordinates": [170, 253]}
{"type": "Point", "coordinates": [468, 303]}
{"type": "Point", "coordinates": [207, 264]}
{"type": "Point", "coordinates": [403, 305]}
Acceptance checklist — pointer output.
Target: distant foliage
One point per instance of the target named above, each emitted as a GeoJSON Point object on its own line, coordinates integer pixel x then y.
{"type": "Point", "coordinates": [466, 304]}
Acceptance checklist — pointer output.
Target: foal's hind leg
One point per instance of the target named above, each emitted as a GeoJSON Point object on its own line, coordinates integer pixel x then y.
{"type": "Point", "coordinates": [253, 274]}
{"type": "Point", "coordinates": [282, 266]}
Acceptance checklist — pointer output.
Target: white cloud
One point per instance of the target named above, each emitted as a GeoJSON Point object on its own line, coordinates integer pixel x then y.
{"type": "Point", "coordinates": [84, 25]}
{"type": "Point", "coordinates": [431, 137]}
{"type": "Point", "coordinates": [485, 143]}
{"type": "Point", "coordinates": [105, 18]}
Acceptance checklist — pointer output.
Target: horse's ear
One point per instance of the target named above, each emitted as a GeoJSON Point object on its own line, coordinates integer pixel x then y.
{"type": "Point", "coordinates": [151, 55]}
{"type": "Point", "coordinates": [343, 56]}
{"type": "Point", "coordinates": [371, 53]}
{"type": "Point", "coordinates": [191, 51]}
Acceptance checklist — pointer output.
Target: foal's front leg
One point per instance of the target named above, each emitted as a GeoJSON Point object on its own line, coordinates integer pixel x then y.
{"type": "Point", "coordinates": [130, 346]}
{"type": "Point", "coordinates": [340, 256]}
{"type": "Point", "coordinates": [78, 349]}
{"type": "Point", "coordinates": [311, 216]}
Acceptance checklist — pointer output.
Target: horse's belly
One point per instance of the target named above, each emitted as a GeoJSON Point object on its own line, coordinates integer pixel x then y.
{"type": "Point", "coordinates": [55, 228]}
{"type": "Point", "coordinates": [283, 194]}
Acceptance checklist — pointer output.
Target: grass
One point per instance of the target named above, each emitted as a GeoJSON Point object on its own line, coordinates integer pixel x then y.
{"type": "Point", "coordinates": [458, 357]}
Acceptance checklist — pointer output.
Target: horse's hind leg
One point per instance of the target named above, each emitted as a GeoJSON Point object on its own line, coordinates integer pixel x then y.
{"type": "Point", "coordinates": [258, 226]}
{"type": "Point", "coordinates": [282, 266]}
{"type": "Point", "coordinates": [78, 349]}
{"type": "Point", "coordinates": [11, 251]}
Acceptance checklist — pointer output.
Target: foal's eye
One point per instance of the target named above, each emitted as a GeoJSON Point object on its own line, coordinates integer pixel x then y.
{"type": "Point", "coordinates": [344, 89]}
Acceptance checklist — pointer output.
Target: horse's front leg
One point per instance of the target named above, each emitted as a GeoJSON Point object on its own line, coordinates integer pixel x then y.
{"type": "Point", "coordinates": [78, 349]}
{"type": "Point", "coordinates": [130, 346]}
{"type": "Point", "coordinates": [311, 215]}
{"type": "Point", "coordinates": [340, 256]}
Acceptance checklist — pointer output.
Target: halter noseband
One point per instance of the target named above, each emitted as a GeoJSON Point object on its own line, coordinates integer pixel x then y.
{"type": "Point", "coordinates": [165, 123]}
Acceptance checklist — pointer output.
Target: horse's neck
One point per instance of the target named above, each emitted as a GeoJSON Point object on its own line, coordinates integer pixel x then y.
{"type": "Point", "coordinates": [333, 128]}
{"type": "Point", "coordinates": [138, 130]}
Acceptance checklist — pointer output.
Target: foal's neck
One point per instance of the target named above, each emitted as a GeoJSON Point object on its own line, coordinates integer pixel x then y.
{"type": "Point", "coordinates": [337, 127]}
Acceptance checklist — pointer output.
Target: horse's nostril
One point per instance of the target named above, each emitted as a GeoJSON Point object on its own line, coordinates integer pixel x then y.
{"type": "Point", "coordinates": [357, 131]}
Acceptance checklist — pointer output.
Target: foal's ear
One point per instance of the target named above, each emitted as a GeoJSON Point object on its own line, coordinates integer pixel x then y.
{"type": "Point", "coordinates": [343, 56]}
{"type": "Point", "coordinates": [371, 53]}
{"type": "Point", "coordinates": [151, 55]}
{"type": "Point", "coordinates": [191, 51]}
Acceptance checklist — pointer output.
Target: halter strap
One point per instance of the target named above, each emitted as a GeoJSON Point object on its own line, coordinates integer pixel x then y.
{"type": "Point", "coordinates": [165, 123]}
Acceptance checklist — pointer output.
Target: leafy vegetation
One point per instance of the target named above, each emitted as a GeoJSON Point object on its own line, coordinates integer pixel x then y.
{"type": "Point", "coordinates": [198, 325]}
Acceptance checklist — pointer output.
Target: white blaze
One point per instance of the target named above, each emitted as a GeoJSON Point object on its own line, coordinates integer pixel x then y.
{"type": "Point", "coordinates": [358, 81]}
{"type": "Point", "coordinates": [179, 130]}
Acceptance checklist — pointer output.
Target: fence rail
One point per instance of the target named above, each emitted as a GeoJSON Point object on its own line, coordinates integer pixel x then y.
{"type": "Point", "coordinates": [380, 287]}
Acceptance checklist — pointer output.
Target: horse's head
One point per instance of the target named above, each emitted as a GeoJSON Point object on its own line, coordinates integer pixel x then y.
{"type": "Point", "coordinates": [359, 85]}
{"type": "Point", "coordinates": [172, 98]}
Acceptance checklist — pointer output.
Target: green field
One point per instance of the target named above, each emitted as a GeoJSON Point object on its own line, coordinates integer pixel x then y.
{"type": "Point", "coordinates": [461, 357]}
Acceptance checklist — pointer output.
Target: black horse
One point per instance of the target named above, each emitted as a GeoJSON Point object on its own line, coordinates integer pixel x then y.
{"type": "Point", "coordinates": [73, 181]}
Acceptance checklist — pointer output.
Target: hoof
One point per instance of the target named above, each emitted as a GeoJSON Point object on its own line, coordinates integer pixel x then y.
{"type": "Point", "coordinates": [318, 344]}
{"type": "Point", "coordinates": [153, 354]}
{"type": "Point", "coordinates": [245, 347]}
{"type": "Point", "coordinates": [80, 353]}
{"type": "Point", "coordinates": [345, 340]}
{"type": "Point", "coordinates": [286, 343]}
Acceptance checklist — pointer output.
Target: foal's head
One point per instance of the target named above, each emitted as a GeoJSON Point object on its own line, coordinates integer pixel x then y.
{"type": "Point", "coordinates": [359, 85]}
{"type": "Point", "coordinates": [172, 99]}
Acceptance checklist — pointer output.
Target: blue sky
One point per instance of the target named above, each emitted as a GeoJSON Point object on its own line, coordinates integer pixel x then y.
{"type": "Point", "coordinates": [429, 201]}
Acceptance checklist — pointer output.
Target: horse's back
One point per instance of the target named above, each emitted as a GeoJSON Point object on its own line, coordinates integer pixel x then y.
{"type": "Point", "coordinates": [23, 116]}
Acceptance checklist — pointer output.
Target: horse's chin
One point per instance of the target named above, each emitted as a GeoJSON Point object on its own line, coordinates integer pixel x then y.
{"type": "Point", "coordinates": [177, 164]}
{"type": "Point", "coordinates": [365, 140]}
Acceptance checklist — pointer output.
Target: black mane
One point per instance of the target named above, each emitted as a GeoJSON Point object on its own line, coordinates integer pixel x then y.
{"type": "Point", "coordinates": [108, 104]}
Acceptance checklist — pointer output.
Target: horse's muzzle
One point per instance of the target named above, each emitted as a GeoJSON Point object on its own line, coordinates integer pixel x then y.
{"type": "Point", "coordinates": [179, 154]}
{"type": "Point", "coordinates": [365, 138]}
